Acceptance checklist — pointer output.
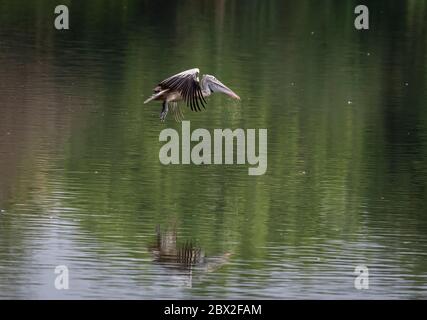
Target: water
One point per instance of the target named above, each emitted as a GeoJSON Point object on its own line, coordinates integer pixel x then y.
{"type": "Point", "coordinates": [82, 186]}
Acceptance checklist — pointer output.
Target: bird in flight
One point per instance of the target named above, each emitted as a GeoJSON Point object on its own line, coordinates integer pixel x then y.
{"type": "Point", "coordinates": [186, 86]}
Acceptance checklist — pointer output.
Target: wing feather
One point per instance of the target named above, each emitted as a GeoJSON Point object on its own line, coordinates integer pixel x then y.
{"type": "Point", "coordinates": [176, 111]}
{"type": "Point", "coordinates": [187, 84]}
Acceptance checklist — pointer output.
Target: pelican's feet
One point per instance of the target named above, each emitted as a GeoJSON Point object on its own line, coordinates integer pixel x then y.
{"type": "Point", "coordinates": [163, 115]}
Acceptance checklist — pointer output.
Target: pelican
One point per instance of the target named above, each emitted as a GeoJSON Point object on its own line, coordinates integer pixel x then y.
{"type": "Point", "coordinates": [186, 86]}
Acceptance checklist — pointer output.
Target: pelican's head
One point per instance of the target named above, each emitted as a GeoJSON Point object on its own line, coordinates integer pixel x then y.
{"type": "Point", "coordinates": [215, 85]}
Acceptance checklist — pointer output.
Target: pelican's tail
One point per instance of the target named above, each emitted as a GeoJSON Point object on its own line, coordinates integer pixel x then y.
{"type": "Point", "coordinates": [149, 99]}
{"type": "Point", "coordinates": [155, 96]}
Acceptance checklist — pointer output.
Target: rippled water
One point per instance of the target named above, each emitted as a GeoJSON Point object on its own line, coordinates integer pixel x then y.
{"type": "Point", "coordinates": [81, 184]}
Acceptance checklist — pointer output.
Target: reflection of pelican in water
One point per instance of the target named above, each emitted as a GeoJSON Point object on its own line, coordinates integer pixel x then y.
{"type": "Point", "coordinates": [167, 251]}
{"type": "Point", "coordinates": [186, 256]}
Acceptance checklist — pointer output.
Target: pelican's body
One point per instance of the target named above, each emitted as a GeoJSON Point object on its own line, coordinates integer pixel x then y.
{"type": "Point", "coordinates": [186, 86]}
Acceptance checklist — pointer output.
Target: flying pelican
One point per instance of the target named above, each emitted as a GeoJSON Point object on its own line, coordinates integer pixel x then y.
{"type": "Point", "coordinates": [186, 86]}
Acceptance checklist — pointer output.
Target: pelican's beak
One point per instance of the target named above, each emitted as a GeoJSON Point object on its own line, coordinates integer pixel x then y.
{"type": "Point", "coordinates": [220, 87]}
{"type": "Point", "coordinates": [232, 94]}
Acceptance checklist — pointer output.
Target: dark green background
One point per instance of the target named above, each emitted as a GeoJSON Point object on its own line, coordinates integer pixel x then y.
{"type": "Point", "coordinates": [81, 183]}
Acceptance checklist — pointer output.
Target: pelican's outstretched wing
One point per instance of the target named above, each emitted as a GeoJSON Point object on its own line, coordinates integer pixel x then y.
{"type": "Point", "coordinates": [187, 84]}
